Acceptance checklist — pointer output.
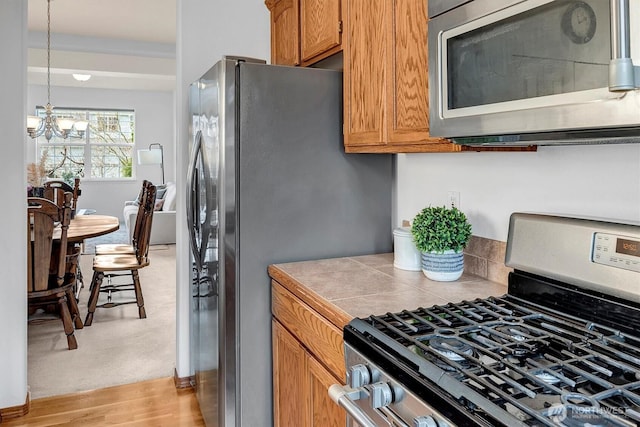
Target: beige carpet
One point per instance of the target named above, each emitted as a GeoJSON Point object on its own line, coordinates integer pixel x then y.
{"type": "Point", "coordinates": [118, 348]}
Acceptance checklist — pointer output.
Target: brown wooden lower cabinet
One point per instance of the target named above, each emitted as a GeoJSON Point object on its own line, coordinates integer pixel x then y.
{"type": "Point", "coordinates": [300, 385]}
{"type": "Point", "coordinates": [301, 378]}
{"type": "Point", "coordinates": [324, 412]}
{"type": "Point", "coordinates": [289, 365]}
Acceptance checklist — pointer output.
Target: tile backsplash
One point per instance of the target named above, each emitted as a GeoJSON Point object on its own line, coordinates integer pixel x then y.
{"type": "Point", "coordinates": [485, 258]}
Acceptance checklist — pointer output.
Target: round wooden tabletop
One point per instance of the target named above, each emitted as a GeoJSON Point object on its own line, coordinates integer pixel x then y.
{"type": "Point", "coordinates": [87, 226]}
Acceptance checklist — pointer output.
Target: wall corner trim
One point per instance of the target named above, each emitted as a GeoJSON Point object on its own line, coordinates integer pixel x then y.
{"type": "Point", "coordinates": [16, 411]}
{"type": "Point", "coordinates": [183, 382]}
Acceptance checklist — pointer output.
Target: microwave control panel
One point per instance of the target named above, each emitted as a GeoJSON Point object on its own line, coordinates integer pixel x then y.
{"type": "Point", "coordinates": [616, 251]}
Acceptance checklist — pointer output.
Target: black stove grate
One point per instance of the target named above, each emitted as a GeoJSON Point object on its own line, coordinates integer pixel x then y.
{"type": "Point", "coordinates": [512, 360]}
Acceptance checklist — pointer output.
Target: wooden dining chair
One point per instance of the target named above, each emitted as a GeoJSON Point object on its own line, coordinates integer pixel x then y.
{"type": "Point", "coordinates": [114, 266]}
{"type": "Point", "coordinates": [55, 191]}
{"type": "Point", "coordinates": [55, 194]}
{"type": "Point", "coordinates": [129, 248]}
{"type": "Point", "coordinates": [48, 281]}
{"type": "Point", "coordinates": [75, 191]}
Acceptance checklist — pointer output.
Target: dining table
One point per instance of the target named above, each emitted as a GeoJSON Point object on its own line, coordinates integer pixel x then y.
{"type": "Point", "coordinates": [84, 227]}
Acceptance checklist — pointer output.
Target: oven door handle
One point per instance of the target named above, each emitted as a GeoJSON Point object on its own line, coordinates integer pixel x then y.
{"type": "Point", "coordinates": [345, 397]}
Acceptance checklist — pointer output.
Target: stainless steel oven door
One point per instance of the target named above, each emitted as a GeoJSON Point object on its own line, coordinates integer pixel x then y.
{"type": "Point", "coordinates": [525, 67]}
{"type": "Point", "coordinates": [372, 398]}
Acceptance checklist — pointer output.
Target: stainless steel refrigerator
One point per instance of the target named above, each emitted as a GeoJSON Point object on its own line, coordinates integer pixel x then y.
{"type": "Point", "coordinates": [269, 182]}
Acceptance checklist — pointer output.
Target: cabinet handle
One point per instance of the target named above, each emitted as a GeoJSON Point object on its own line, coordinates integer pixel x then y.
{"type": "Point", "coordinates": [345, 396]}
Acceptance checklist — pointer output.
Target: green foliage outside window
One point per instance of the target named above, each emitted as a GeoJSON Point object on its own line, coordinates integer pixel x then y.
{"type": "Point", "coordinates": [127, 167]}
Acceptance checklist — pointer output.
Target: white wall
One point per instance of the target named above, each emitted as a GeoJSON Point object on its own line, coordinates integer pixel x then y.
{"type": "Point", "coordinates": [598, 180]}
{"type": "Point", "coordinates": [206, 31]}
{"type": "Point", "coordinates": [13, 248]}
{"type": "Point", "coordinates": [154, 123]}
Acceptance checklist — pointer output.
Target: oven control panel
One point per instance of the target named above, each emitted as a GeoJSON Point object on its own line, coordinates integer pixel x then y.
{"type": "Point", "coordinates": [616, 251]}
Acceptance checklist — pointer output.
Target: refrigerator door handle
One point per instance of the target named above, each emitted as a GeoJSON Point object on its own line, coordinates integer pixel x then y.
{"type": "Point", "coordinates": [193, 192]}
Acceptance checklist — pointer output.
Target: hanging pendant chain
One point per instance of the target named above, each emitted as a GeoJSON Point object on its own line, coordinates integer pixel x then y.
{"type": "Point", "coordinates": [49, 51]}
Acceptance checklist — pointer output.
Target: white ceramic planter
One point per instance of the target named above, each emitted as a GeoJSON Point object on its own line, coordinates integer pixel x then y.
{"type": "Point", "coordinates": [406, 255]}
{"type": "Point", "coordinates": [443, 267]}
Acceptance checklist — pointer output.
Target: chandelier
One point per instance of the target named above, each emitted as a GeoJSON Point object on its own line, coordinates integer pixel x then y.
{"type": "Point", "coordinates": [49, 125]}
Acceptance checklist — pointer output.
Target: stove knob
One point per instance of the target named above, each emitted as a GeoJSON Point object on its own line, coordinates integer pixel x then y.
{"type": "Point", "coordinates": [381, 395]}
{"type": "Point", "coordinates": [424, 421]}
{"type": "Point", "coordinates": [358, 376]}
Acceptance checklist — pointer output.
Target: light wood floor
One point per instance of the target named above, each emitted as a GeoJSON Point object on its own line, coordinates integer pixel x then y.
{"type": "Point", "coordinates": [148, 403]}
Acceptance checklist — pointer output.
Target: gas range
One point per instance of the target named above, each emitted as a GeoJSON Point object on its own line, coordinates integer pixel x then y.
{"type": "Point", "coordinates": [550, 352]}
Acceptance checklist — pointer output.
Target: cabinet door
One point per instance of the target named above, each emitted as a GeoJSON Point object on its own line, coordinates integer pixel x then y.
{"type": "Point", "coordinates": [289, 379]}
{"type": "Point", "coordinates": [285, 30]}
{"type": "Point", "coordinates": [321, 27]}
{"type": "Point", "coordinates": [386, 99]}
{"type": "Point", "coordinates": [408, 96]}
{"type": "Point", "coordinates": [364, 72]}
{"type": "Point", "coordinates": [300, 385]}
{"type": "Point", "coordinates": [324, 412]}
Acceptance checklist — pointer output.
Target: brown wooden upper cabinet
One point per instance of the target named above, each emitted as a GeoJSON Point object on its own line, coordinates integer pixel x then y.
{"type": "Point", "coordinates": [285, 31]}
{"type": "Point", "coordinates": [386, 90]}
{"type": "Point", "coordinates": [320, 29]}
{"type": "Point", "coordinates": [386, 87]}
{"type": "Point", "coordinates": [304, 31]}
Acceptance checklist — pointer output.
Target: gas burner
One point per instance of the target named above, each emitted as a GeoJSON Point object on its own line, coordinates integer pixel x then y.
{"type": "Point", "coordinates": [522, 351]}
{"type": "Point", "coordinates": [517, 339]}
{"type": "Point", "coordinates": [545, 376]}
{"type": "Point", "coordinates": [517, 332]}
{"type": "Point", "coordinates": [444, 346]}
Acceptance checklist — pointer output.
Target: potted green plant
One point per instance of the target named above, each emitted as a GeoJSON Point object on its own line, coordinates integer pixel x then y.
{"type": "Point", "coordinates": [441, 234]}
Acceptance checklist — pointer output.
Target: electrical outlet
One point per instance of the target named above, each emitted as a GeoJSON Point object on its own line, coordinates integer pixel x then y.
{"type": "Point", "coordinates": [454, 199]}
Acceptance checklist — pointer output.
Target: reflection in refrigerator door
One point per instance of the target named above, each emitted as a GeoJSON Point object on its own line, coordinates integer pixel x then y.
{"type": "Point", "coordinates": [269, 182]}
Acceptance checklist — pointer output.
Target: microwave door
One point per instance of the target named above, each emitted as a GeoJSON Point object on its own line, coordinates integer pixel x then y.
{"type": "Point", "coordinates": [530, 66]}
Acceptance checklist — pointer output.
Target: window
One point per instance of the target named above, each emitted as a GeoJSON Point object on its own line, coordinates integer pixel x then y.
{"type": "Point", "coordinates": [105, 151]}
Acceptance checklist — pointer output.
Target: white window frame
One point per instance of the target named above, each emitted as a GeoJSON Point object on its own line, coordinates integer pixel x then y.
{"type": "Point", "coordinates": [90, 147]}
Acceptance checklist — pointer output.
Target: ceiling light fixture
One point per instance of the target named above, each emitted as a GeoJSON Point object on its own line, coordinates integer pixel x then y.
{"type": "Point", "coordinates": [81, 77]}
{"type": "Point", "coordinates": [49, 125]}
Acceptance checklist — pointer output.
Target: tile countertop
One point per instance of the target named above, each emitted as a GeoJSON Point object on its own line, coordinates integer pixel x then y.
{"type": "Point", "coordinates": [343, 288]}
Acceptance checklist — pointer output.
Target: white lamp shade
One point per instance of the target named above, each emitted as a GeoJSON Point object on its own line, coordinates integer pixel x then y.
{"type": "Point", "coordinates": [65, 124]}
{"type": "Point", "coordinates": [150, 157]}
{"type": "Point", "coordinates": [81, 125]}
{"type": "Point", "coordinates": [33, 122]}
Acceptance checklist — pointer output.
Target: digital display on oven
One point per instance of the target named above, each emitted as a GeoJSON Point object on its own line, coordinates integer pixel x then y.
{"type": "Point", "coordinates": [616, 251]}
{"type": "Point", "coordinates": [628, 247]}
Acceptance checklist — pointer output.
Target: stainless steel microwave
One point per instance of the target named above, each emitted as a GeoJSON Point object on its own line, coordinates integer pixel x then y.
{"type": "Point", "coordinates": [522, 72]}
